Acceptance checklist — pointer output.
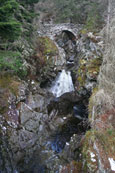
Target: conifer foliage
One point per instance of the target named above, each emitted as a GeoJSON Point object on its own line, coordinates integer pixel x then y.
{"type": "Point", "coordinates": [10, 28]}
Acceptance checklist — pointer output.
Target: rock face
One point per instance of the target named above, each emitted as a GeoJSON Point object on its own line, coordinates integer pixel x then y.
{"type": "Point", "coordinates": [30, 125]}
{"type": "Point", "coordinates": [99, 146]}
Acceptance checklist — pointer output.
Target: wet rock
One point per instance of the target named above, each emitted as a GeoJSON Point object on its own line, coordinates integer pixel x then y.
{"type": "Point", "coordinates": [62, 136]}
{"type": "Point", "coordinates": [80, 111]}
{"type": "Point", "coordinates": [64, 103]}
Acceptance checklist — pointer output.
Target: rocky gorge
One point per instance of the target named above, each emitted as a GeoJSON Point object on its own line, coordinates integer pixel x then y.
{"type": "Point", "coordinates": [60, 119]}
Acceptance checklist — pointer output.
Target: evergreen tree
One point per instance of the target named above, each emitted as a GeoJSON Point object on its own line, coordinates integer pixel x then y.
{"type": "Point", "coordinates": [10, 28]}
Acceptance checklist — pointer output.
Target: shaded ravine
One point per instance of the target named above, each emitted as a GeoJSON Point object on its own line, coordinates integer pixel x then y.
{"type": "Point", "coordinates": [49, 157]}
{"type": "Point", "coordinates": [63, 134]}
{"type": "Point", "coordinates": [50, 153]}
{"type": "Point", "coordinates": [74, 116]}
{"type": "Point", "coordinates": [52, 118]}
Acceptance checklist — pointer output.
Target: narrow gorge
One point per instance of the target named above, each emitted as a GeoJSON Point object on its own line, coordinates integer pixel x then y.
{"type": "Point", "coordinates": [59, 116]}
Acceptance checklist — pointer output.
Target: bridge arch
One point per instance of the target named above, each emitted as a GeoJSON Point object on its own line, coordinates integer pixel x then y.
{"type": "Point", "coordinates": [70, 35]}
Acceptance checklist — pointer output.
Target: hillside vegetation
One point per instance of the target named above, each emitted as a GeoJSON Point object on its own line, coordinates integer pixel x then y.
{"type": "Point", "coordinates": [15, 28]}
{"type": "Point", "coordinates": [86, 12]}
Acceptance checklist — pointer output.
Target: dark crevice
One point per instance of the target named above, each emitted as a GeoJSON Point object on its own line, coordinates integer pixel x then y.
{"type": "Point", "coordinates": [77, 124]}
{"type": "Point", "coordinates": [70, 35]}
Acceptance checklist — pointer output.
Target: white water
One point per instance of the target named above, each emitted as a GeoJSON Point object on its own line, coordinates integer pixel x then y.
{"type": "Point", "coordinates": [63, 84]}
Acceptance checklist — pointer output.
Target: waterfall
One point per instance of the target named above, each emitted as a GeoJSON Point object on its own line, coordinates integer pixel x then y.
{"type": "Point", "coordinates": [63, 84]}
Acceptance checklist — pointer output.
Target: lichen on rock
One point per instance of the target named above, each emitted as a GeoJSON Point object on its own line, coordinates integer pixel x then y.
{"type": "Point", "coordinates": [90, 59]}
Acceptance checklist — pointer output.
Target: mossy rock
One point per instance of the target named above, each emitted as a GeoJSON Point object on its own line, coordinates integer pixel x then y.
{"type": "Point", "coordinates": [47, 46]}
{"type": "Point", "coordinates": [8, 86]}
{"type": "Point", "coordinates": [88, 70]}
{"type": "Point", "coordinates": [44, 58]}
{"type": "Point", "coordinates": [94, 65]}
{"type": "Point", "coordinates": [90, 163]}
{"type": "Point", "coordinates": [45, 52]}
{"type": "Point", "coordinates": [10, 83]}
{"type": "Point", "coordinates": [105, 142]}
{"type": "Point", "coordinates": [84, 31]}
{"type": "Point", "coordinates": [93, 68]}
{"type": "Point", "coordinates": [92, 102]}
{"type": "Point", "coordinates": [81, 73]}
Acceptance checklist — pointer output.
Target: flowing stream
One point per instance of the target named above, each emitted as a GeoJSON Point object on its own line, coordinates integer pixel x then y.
{"type": "Point", "coordinates": [63, 84]}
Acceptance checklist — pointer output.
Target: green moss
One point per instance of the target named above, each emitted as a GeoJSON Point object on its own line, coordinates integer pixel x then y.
{"type": "Point", "coordinates": [88, 69]}
{"type": "Point", "coordinates": [84, 31]}
{"type": "Point", "coordinates": [47, 46]}
{"type": "Point", "coordinates": [81, 80]}
{"type": "Point", "coordinates": [45, 56]}
{"type": "Point", "coordinates": [93, 68]}
{"type": "Point", "coordinates": [94, 65]}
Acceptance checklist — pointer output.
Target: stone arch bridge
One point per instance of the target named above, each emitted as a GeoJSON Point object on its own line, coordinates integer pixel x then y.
{"type": "Point", "coordinates": [52, 30]}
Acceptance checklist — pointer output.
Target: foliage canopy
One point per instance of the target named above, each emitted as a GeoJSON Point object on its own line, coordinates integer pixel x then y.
{"type": "Point", "coordinates": [88, 12]}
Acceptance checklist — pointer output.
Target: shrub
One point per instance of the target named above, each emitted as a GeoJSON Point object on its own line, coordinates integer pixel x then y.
{"type": "Point", "coordinates": [11, 61]}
